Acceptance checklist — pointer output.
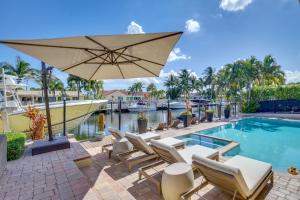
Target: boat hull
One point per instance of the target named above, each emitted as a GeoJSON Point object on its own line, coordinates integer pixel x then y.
{"type": "Point", "coordinates": [76, 112]}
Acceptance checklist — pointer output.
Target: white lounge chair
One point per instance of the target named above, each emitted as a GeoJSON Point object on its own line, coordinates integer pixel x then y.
{"type": "Point", "coordinates": [146, 136]}
{"type": "Point", "coordinates": [118, 135]}
{"type": "Point", "coordinates": [170, 154]}
{"type": "Point", "coordinates": [243, 177]}
{"type": "Point", "coordinates": [139, 142]}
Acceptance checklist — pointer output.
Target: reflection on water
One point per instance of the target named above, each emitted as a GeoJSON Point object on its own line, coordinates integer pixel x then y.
{"type": "Point", "coordinates": [129, 121]}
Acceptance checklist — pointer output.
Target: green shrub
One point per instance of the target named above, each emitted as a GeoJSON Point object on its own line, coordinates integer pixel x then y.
{"type": "Point", "coordinates": [281, 92]}
{"type": "Point", "coordinates": [186, 113]}
{"type": "Point", "coordinates": [210, 111]}
{"type": "Point", "coordinates": [15, 145]}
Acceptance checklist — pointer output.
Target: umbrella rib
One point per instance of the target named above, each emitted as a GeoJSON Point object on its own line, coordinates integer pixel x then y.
{"type": "Point", "coordinates": [139, 66]}
{"type": "Point", "coordinates": [91, 39]}
{"type": "Point", "coordinates": [120, 70]}
{"type": "Point", "coordinates": [53, 46]}
{"type": "Point", "coordinates": [96, 54]}
{"type": "Point", "coordinates": [143, 59]}
{"type": "Point", "coordinates": [120, 54]}
{"type": "Point", "coordinates": [150, 40]}
{"type": "Point", "coordinates": [112, 58]}
{"type": "Point", "coordinates": [98, 67]}
{"type": "Point", "coordinates": [83, 62]}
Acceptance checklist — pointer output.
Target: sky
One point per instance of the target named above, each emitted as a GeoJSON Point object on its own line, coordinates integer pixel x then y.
{"type": "Point", "coordinates": [216, 32]}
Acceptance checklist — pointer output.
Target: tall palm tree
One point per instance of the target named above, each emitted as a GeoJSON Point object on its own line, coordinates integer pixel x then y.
{"type": "Point", "coordinates": [269, 73]}
{"type": "Point", "coordinates": [22, 70]}
{"type": "Point", "coordinates": [208, 77]}
{"type": "Point", "coordinates": [135, 88]}
{"type": "Point", "coordinates": [56, 85]}
{"type": "Point", "coordinates": [185, 83]}
{"type": "Point", "coordinates": [172, 85]}
{"type": "Point", "coordinates": [75, 82]}
{"type": "Point", "coordinates": [151, 89]}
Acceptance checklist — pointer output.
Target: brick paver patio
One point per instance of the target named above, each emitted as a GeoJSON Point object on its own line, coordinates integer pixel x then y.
{"type": "Point", "coordinates": [56, 176]}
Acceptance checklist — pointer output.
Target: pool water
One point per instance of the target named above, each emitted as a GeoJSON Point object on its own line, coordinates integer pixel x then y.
{"type": "Point", "coordinates": [195, 139]}
{"type": "Point", "coordinates": [270, 140]}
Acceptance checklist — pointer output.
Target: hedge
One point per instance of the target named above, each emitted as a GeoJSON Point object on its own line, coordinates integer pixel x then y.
{"type": "Point", "coordinates": [15, 145]}
{"type": "Point", "coordinates": [282, 92]}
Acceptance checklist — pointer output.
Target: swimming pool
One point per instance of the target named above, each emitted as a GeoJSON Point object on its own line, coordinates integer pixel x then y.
{"type": "Point", "coordinates": [270, 140]}
{"type": "Point", "coordinates": [193, 139]}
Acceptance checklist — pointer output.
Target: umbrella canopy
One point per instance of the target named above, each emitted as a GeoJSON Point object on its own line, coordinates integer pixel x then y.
{"type": "Point", "coordinates": [103, 57]}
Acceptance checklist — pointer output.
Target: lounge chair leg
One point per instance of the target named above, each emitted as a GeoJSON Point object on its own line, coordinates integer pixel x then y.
{"type": "Point", "coordinates": [140, 175]}
{"type": "Point", "coordinates": [234, 195]}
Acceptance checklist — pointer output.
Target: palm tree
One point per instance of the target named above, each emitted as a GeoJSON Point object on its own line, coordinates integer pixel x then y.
{"type": "Point", "coordinates": [185, 83]}
{"type": "Point", "coordinates": [135, 88]}
{"type": "Point", "coordinates": [208, 77]}
{"type": "Point", "coordinates": [151, 89]}
{"type": "Point", "coordinates": [56, 85]}
{"type": "Point", "coordinates": [21, 70]}
{"type": "Point", "coordinates": [172, 85]}
{"type": "Point", "coordinates": [76, 83]}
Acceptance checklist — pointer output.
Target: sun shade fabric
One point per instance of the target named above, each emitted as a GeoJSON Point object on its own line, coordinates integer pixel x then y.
{"type": "Point", "coordinates": [103, 57]}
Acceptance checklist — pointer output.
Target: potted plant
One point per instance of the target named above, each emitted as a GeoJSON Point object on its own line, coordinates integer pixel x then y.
{"type": "Point", "coordinates": [209, 115]}
{"type": "Point", "coordinates": [187, 117]}
{"type": "Point", "coordinates": [227, 111]}
{"type": "Point", "coordinates": [142, 123]}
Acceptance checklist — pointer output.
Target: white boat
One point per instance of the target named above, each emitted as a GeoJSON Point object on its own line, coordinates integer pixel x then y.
{"type": "Point", "coordinates": [177, 105]}
{"type": "Point", "coordinates": [141, 107]}
{"type": "Point", "coordinates": [12, 110]}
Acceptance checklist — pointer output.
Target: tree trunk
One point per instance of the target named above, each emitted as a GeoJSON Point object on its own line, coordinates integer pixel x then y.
{"type": "Point", "coordinates": [78, 90]}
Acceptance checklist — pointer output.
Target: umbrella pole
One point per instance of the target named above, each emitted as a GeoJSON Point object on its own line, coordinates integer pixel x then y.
{"type": "Point", "coordinates": [46, 99]}
{"type": "Point", "coordinates": [120, 111]}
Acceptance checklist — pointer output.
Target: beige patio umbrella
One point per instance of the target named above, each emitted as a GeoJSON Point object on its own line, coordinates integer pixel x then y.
{"type": "Point", "coordinates": [102, 57]}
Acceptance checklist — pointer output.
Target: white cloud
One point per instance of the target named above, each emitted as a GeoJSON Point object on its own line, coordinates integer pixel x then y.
{"type": "Point", "coordinates": [192, 26]}
{"type": "Point", "coordinates": [134, 28]}
{"type": "Point", "coordinates": [176, 54]}
{"type": "Point", "coordinates": [292, 76]}
{"type": "Point", "coordinates": [234, 5]}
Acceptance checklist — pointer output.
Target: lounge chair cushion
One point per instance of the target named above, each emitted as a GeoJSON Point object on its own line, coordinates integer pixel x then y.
{"type": "Point", "coordinates": [253, 171]}
{"type": "Point", "coordinates": [139, 143]}
{"type": "Point", "coordinates": [187, 153]}
{"type": "Point", "coordinates": [169, 141]}
{"type": "Point", "coordinates": [149, 136]}
{"type": "Point", "coordinates": [116, 132]}
{"type": "Point", "coordinates": [248, 173]}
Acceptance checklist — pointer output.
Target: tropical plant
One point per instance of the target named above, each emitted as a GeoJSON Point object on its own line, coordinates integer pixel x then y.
{"type": "Point", "coordinates": [56, 85]}
{"type": "Point", "coordinates": [135, 88]}
{"type": "Point", "coordinates": [38, 121]}
{"type": "Point", "coordinates": [22, 70]}
{"type": "Point", "coordinates": [75, 83]}
{"type": "Point", "coordinates": [209, 78]}
{"type": "Point", "coordinates": [172, 85]}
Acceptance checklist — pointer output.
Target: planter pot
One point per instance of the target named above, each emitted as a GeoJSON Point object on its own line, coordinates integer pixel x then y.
{"type": "Point", "coordinates": [186, 120]}
{"type": "Point", "coordinates": [3, 154]}
{"type": "Point", "coordinates": [142, 125]}
{"type": "Point", "coordinates": [227, 113]}
{"type": "Point", "coordinates": [209, 116]}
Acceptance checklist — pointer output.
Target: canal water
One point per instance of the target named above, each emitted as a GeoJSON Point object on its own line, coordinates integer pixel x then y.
{"type": "Point", "coordinates": [90, 128]}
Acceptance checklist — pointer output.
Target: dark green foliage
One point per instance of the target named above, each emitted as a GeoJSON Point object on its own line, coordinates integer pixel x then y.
{"type": "Point", "coordinates": [15, 145]}
{"type": "Point", "coordinates": [282, 92]}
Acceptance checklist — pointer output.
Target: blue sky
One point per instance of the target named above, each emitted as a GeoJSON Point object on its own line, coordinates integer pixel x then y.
{"type": "Point", "coordinates": [216, 32]}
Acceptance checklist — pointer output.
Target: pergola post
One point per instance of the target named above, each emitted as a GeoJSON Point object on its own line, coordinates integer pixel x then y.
{"type": "Point", "coordinates": [46, 99]}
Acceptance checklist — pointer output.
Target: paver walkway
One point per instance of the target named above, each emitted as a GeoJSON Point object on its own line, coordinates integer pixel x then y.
{"type": "Point", "coordinates": [55, 176]}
